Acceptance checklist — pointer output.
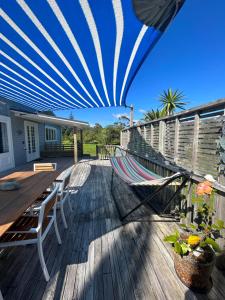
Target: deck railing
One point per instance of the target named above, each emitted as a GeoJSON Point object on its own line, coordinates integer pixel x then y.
{"type": "Point", "coordinates": [105, 151]}
{"type": "Point", "coordinates": [60, 150]}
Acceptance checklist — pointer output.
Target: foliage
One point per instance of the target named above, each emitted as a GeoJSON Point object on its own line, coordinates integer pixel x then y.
{"type": "Point", "coordinates": [203, 234]}
{"type": "Point", "coordinates": [124, 118]}
{"type": "Point", "coordinates": [67, 132]}
{"type": "Point", "coordinates": [171, 100]}
{"type": "Point", "coordinates": [154, 114]}
{"type": "Point", "coordinates": [97, 134]}
{"type": "Point", "coordinates": [48, 113]}
{"type": "Point", "coordinates": [222, 151]}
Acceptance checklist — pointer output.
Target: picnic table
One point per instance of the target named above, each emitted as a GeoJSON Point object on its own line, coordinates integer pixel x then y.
{"type": "Point", "coordinates": [14, 203]}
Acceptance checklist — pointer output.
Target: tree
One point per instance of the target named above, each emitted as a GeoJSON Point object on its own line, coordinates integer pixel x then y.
{"type": "Point", "coordinates": [154, 114]}
{"type": "Point", "coordinates": [48, 113]}
{"type": "Point", "coordinates": [171, 100]}
{"type": "Point", "coordinates": [71, 117]}
{"type": "Point", "coordinates": [124, 118]}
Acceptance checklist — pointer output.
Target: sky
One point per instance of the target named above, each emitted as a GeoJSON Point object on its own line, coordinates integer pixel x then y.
{"type": "Point", "coordinates": [190, 56]}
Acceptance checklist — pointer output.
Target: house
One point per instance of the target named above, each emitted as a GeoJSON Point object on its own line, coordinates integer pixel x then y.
{"type": "Point", "coordinates": [24, 133]}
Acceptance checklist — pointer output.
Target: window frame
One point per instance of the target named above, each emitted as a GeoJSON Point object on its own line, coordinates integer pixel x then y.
{"type": "Point", "coordinates": [47, 135]}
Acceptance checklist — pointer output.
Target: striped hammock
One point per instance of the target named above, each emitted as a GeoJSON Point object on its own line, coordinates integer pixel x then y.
{"type": "Point", "coordinates": [133, 173]}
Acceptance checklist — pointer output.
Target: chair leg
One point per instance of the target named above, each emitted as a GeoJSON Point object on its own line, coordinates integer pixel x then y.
{"type": "Point", "coordinates": [69, 200]}
{"type": "Point", "coordinates": [57, 231]}
{"type": "Point", "coordinates": [42, 260]}
{"type": "Point", "coordinates": [63, 215]}
{"type": "Point", "coordinates": [1, 297]}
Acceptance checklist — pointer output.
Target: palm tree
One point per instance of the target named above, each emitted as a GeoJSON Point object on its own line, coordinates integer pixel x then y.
{"type": "Point", "coordinates": [171, 100]}
{"type": "Point", "coordinates": [153, 114]}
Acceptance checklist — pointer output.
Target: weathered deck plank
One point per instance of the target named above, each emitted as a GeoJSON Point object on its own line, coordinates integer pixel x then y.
{"type": "Point", "coordinates": [99, 258]}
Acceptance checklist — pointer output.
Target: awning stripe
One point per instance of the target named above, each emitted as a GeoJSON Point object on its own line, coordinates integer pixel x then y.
{"type": "Point", "coordinates": [94, 33]}
{"type": "Point", "coordinates": [41, 28]}
{"type": "Point", "coordinates": [39, 52]}
{"type": "Point", "coordinates": [10, 44]}
{"type": "Point", "coordinates": [17, 87]}
{"type": "Point", "coordinates": [78, 54]}
{"type": "Point", "coordinates": [13, 96]}
{"type": "Point", "coordinates": [34, 76]}
{"type": "Point", "coordinates": [132, 57]}
{"type": "Point", "coordinates": [117, 7]}
{"type": "Point", "coordinates": [27, 87]}
{"type": "Point", "coordinates": [65, 26]}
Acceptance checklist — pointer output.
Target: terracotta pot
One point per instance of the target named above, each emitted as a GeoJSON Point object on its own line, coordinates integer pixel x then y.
{"type": "Point", "coordinates": [195, 274]}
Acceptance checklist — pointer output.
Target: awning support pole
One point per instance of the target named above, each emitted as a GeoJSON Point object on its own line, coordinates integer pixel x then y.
{"type": "Point", "coordinates": [75, 145]}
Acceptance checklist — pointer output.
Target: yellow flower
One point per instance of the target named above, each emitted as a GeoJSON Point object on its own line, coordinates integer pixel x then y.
{"type": "Point", "coordinates": [193, 240]}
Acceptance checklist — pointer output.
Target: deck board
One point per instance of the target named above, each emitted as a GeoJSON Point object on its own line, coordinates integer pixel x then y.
{"type": "Point", "coordinates": [99, 258]}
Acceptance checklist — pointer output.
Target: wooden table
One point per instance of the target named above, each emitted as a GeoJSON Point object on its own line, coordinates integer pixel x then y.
{"type": "Point", "coordinates": [14, 203]}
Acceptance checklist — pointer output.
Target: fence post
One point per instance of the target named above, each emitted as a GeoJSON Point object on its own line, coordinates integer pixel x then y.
{"type": "Point", "coordinates": [152, 134]}
{"type": "Point", "coordinates": [176, 140]}
{"type": "Point", "coordinates": [162, 129]}
{"type": "Point", "coordinates": [121, 138]}
{"type": "Point", "coordinates": [195, 142]}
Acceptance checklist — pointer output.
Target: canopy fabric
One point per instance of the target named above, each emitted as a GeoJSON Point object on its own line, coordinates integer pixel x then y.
{"type": "Point", "coordinates": [77, 54]}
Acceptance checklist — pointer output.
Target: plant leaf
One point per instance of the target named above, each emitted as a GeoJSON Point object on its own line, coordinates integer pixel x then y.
{"type": "Point", "coordinates": [177, 248]}
{"type": "Point", "coordinates": [185, 248]}
{"type": "Point", "coordinates": [220, 223]}
{"type": "Point", "coordinates": [171, 238]}
{"type": "Point", "coordinates": [212, 243]}
{"type": "Point", "coordinates": [184, 226]}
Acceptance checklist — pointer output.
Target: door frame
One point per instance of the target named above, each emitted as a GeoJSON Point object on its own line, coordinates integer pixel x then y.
{"type": "Point", "coordinates": [7, 120]}
{"type": "Point", "coordinates": [36, 133]}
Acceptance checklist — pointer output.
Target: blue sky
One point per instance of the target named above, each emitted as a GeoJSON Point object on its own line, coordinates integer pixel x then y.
{"type": "Point", "coordinates": [190, 57]}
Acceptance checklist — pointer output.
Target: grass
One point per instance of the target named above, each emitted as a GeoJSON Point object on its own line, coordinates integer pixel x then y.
{"type": "Point", "coordinates": [89, 149]}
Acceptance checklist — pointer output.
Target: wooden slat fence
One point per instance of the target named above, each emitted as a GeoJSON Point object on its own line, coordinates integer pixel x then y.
{"type": "Point", "coordinates": [191, 140]}
{"type": "Point", "coordinates": [188, 139]}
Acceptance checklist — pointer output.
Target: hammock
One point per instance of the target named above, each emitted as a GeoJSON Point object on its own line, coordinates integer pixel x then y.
{"type": "Point", "coordinates": [134, 174]}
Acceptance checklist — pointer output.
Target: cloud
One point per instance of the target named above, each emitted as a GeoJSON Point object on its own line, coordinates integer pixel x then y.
{"type": "Point", "coordinates": [143, 111]}
{"type": "Point", "coordinates": [118, 116]}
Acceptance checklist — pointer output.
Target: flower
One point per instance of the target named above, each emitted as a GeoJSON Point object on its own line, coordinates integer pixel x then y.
{"type": "Point", "coordinates": [204, 188]}
{"type": "Point", "coordinates": [193, 240]}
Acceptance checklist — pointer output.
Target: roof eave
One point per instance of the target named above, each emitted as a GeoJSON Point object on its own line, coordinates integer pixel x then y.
{"type": "Point", "coordinates": [41, 118]}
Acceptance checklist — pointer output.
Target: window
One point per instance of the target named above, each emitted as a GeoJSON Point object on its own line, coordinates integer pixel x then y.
{"type": "Point", "coordinates": [4, 146]}
{"type": "Point", "coordinates": [50, 134]}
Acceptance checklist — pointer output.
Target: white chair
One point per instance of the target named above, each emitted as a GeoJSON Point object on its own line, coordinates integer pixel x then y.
{"type": "Point", "coordinates": [64, 196]}
{"type": "Point", "coordinates": [45, 167]}
{"type": "Point", "coordinates": [33, 229]}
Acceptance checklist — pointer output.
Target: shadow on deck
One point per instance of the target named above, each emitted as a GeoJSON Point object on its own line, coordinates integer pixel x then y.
{"type": "Point", "coordinates": [99, 258]}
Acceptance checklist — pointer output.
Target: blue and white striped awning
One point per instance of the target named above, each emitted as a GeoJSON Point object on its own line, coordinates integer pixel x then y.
{"type": "Point", "coordinates": [75, 54]}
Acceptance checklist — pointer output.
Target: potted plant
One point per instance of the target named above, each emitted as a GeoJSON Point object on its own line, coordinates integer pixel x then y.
{"type": "Point", "coordinates": [195, 246]}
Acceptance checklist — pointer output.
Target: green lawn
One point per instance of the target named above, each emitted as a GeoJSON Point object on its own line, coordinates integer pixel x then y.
{"type": "Point", "coordinates": [89, 149]}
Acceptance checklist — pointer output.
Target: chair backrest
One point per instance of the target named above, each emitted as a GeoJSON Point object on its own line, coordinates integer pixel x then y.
{"type": "Point", "coordinates": [65, 182]}
{"type": "Point", "coordinates": [47, 205]}
{"type": "Point", "coordinates": [45, 166]}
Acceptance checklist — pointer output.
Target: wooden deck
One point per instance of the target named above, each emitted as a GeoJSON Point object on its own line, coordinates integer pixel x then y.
{"type": "Point", "coordinates": [99, 258]}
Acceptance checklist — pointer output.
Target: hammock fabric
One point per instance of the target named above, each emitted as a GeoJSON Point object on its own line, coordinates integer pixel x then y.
{"type": "Point", "coordinates": [133, 173]}
{"type": "Point", "coordinates": [78, 53]}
